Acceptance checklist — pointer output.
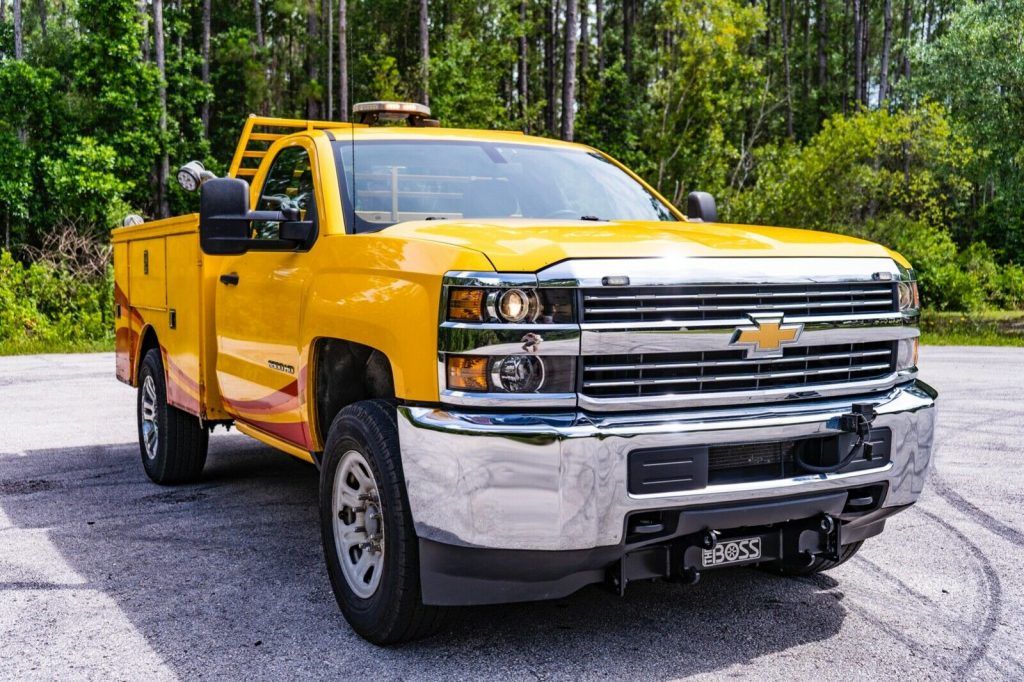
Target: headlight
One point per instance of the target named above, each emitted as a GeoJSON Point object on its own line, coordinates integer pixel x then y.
{"type": "Point", "coordinates": [511, 373]}
{"type": "Point", "coordinates": [908, 295]}
{"type": "Point", "coordinates": [906, 354]}
{"type": "Point", "coordinates": [518, 373]}
{"type": "Point", "coordinates": [518, 305]}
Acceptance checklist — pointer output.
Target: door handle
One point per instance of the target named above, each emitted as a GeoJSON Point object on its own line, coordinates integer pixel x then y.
{"type": "Point", "coordinates": [229, 279]}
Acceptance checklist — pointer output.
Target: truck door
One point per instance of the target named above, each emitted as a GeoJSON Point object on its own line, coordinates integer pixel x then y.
{"type": "Point", "coordinates": [259, 307]}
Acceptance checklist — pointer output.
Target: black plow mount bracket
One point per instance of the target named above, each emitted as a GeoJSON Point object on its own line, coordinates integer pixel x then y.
{"type": "Point", "coordinates": [684, 558]}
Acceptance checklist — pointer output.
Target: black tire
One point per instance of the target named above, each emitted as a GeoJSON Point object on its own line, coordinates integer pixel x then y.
{"type": "Point", "coordinates": [181, 440]}
{"type": "Point", "coordinates": [819, 564]}
{"type": "Point", "coordinates": [394, 612]}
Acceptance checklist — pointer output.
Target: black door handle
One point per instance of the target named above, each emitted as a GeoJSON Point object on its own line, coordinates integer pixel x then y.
{"type": "Point", "coordinates": [230, 279]}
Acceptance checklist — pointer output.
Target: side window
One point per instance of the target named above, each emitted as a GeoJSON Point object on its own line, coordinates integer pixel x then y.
{"type": "Point", "coordinates": [289, 184]}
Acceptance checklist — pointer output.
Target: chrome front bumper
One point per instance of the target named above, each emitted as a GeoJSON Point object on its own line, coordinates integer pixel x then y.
{"type": "Point", "coordinates": [559, 481]}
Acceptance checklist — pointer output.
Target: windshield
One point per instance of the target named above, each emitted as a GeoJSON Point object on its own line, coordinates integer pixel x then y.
{"type": "Point", "coordinates": [387, 182]}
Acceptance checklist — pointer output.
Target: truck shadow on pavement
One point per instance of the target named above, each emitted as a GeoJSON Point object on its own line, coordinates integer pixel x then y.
{"type": "Point", "coordinates": [225, 578]}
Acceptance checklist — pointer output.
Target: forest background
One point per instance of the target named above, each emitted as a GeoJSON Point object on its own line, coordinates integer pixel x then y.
{"type": "Point", "coordinates": [895, 120]}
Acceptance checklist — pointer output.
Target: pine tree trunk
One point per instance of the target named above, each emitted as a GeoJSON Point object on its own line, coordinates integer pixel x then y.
{"type": "Point", "coordinates": [549, 67]}
{"type": "Point", "coordinates": [584, 58]}
{"type": "Point", "coordinates": [908, 20]}
{"type": "Point", "coordinates": [786, 71]}
{"type": "Point", "coordinates": [144, 17]}
{"type": "Point", "coordinates": [425, 52]}
{"type": "Point", "coordinates": [599, 10]}
{"type": "Point", "coordinates": [19, 46]}
{"type": "Point", "coordinates": [628, 21]}
{"type": "Point", "coordinates": [3, 11]}
{"type": "Point", "coordinates": [865, 26]}
{"type": "Point", "coordinates": [524, 67]}
{"type": "Point", "coordinates": [43, 18]}
{"type": "Point", "coordinates": [329, 14]}
{"type": "Point", "coordinates": [569, 69]}
{"type": "Point", "coordinates": [858, 50]}
{"type": "Point", "coordinates": [163, 165]}
{"type": "Point", "coordinates": [257, 15]}
{"type": "Point", "coordinates": [312, 58]}
{"type": "Point", "coordinates": [343, 59]}
{"type": "Point", "coordinates": [821, 17]}
{"type": "Point", "coordinates": [207, 11]}
{"type": "Point", "coordinates": [883, 76]}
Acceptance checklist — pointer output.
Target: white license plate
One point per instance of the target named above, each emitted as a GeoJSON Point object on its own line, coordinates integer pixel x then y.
{"type": "Point", "coordinates": [732, 552]}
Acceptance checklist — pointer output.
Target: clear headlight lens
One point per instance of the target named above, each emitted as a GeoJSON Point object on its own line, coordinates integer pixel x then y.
{"type": "Point", "coordinates": [513, 306]}
{"type": "Point", "coordinates": [906, 354]}
{"type": "Point", "coordinates": [516, 305]}
{"type": "Point", "coordinates": [908, 295]}
{"type": "Point", "coordinates": [518, 373]}
{"type": "Point", "coordinates": [511, 373]}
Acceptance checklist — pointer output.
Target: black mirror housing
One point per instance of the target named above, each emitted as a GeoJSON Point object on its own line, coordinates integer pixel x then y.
{"type": "Point", "coordinates": [701, 206]}
{"type": "Point", "coordinates": [300, 232]}
{"type": "Point", "coordinates": [224, 222]}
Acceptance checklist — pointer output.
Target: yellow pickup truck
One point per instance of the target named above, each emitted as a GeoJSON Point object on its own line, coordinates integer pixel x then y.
{"type": "Point", "coordinates": [518, 368]}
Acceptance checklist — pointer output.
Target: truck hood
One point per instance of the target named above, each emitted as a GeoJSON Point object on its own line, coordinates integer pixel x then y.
{"type": "Point", "coordinates": [523, 245]}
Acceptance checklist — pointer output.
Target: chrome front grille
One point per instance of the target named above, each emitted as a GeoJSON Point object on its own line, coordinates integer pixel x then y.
{"type": "Point", "coordinates": [729, 301]}
{"type": "Point", "coordinates": [800, 368]}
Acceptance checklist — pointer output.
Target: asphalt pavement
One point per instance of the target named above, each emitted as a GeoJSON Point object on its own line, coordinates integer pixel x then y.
{"type": "Point", "coordinates": [104, 575]}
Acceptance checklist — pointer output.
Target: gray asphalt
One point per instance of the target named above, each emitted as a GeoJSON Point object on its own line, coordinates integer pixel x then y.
{"type": "Point", "coordinates": [104, 575]}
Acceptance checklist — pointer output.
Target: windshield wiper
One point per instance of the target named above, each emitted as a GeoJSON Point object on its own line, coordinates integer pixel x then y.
{"type": "Point", "coordinates": [591, 217]}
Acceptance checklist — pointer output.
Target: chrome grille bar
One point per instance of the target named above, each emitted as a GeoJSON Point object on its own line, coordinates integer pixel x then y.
{"type": "Point", "coordinates": [872, 302]}
{"type": "Point", "coordinates": [701, 373]}
{"type": "Point", "coordinates": [701, 302]}
{"type": "Point", "coordinates": [735, 363]}
{"type": "Point", "coordinates": [737, 377]}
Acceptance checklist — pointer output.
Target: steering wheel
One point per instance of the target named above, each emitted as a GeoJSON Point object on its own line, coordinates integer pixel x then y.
{"type": "Point", "coordinates": [569, 213]}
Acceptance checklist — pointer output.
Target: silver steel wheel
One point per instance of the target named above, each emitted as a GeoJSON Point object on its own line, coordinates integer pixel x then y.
{"type": "Point", "coordinates": [150, 426]}
{"type": "Point", "coordinates": [358, 524]}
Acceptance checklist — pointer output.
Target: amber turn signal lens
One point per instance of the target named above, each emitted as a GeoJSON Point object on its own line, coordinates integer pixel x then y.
{"type": "Point", "coordinates": [467, 373]}
{"type": "Point", "coordinates": [466, 305]}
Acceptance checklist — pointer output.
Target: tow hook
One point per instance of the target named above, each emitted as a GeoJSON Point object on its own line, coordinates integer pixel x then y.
{"type": "Point", "coordinates": [709, 538]}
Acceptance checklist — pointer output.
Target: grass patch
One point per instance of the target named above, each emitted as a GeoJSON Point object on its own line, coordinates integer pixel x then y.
{"type": "Point", "coordinates": [37, 347]}
{"type": "Point", "coordinates": [989, 328]}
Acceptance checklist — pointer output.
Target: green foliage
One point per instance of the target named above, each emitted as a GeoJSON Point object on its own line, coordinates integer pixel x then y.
{"type": "Point", "coordinates": [88, 181]}
{"type": "Point", "coordinates": [752, 101]}
{"type": "Point", "coordinates": [710, 80]}
{"type": "Point", "coordinates": [116, 92]}
{"type": "Point", "coordinates": [858, 167]}
{"type": "Point", "coordinates": [41, 307]}
{"type": "Point", "coordinates": [976, 68]}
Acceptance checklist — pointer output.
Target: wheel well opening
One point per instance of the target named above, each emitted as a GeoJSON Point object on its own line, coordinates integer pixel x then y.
{"type": "Point", "coordinates": [148, 342]}
{"type": "Point", "coordinates": [346, 372]}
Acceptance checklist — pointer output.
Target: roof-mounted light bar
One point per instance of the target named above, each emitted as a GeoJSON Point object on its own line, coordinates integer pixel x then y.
{"type": "Point", "coordinates": [415, 114]}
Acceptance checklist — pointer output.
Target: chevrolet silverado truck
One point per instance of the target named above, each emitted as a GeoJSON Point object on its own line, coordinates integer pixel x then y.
{"type": "Point", "coordinates": [518, 368]}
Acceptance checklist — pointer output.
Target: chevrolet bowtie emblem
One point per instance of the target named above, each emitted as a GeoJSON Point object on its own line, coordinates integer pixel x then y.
{"type": "Point", "coordinates": [766, 336]}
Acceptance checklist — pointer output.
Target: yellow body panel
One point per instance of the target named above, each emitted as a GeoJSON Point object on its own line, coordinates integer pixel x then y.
{"type": "Point", "coordinates": [243, 352]}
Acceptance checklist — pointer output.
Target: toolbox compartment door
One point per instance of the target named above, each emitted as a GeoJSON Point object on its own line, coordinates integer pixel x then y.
{"type": "Point", "coordinates": [147, 278]}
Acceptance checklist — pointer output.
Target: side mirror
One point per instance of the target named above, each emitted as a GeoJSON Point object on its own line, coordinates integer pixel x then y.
{"type": "Point", "coordinates": [224, 223]}
{"type": "Point", "coordinates": [701, 206]}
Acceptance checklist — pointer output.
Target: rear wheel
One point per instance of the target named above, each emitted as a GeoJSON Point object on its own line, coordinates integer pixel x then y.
{"type": "Point", "coordinates": [370, 545]}
{"type": "Point", "coordinates": [173, 442]}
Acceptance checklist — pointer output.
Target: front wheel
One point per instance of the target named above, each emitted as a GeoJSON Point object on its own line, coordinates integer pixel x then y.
{"type": "Point", "coordinates": [173, 442]}
{"type": "Point", "coordinates": [369, 542]}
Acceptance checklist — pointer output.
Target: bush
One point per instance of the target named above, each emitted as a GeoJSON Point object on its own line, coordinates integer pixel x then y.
{"type": "Point", "coordinates": [44, 308]}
